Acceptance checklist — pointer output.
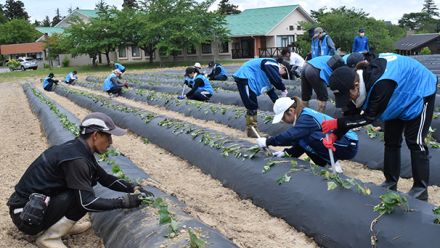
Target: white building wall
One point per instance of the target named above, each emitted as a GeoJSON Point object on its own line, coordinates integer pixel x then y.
{"type": "Point", "coordinates": [283, 29]}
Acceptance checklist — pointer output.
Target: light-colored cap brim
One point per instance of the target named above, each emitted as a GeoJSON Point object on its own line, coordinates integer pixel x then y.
{"type": "Point", "coordinates": [277, 118]}
{"type": "Point", "coordinates": [117, 131]}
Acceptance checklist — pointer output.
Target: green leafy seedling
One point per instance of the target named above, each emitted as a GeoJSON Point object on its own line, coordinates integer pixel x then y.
{"type": "Point", "coordinates": [436, 211]}
{"type": "Point", "coordinates": [194, 241]}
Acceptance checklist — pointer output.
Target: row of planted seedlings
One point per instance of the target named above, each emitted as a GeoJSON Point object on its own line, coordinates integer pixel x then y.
{"type": "Point", "coordinates": [227, 97]}
{"type": "Point", "coordinates": [161, 222]}
{"type": "Point", "coordinates": [335, 210]}
{"type": "Point", "coordinates": [371, 141]}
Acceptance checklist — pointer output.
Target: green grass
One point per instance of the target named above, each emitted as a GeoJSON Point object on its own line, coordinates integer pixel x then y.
{"type": "Point", "coordinates": [61, 72]}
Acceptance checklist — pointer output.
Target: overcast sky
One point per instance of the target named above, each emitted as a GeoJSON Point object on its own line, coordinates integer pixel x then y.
{"type": "Point", "coordinates": [391, 10]}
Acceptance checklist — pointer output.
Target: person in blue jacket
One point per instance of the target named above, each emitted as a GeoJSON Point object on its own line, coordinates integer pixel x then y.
{"type": "Point", "coordinates": [305, 135]}
{"type": "Point", "coordinates": [399, 91]}
{"type": "Point", "coordinates": [322, 43]}
{"type": "Point", "coordinates": [71, 78]}
{"type": "Point", "coordinates": [315, 77]}
{"type": "Point", "coordinates": [48, 82]}
{"type": "Point", "coordinates": [256, 77]}
{"type": "Point", "coordinates": [218, 72]}
{"type": "Point", "coordinates": [360, 43]}
{"type": "Point", "coordinates": [201, 89]}
{"type": "Point", "coordinates": [113, 85]}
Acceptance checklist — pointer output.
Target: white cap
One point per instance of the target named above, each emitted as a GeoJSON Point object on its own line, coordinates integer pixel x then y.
{"type": "Point", "coordinates": [197, 65]}
{"type": "Point", "coordinates": [280, 106]}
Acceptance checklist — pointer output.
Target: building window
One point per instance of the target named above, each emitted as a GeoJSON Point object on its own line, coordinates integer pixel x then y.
{"type": "Point", "coordinates": [191, 49]}
{"type": "Point", "coordinates": [206, 48]}
{"type": "Point", "coordinates": [122, 52]}
{"type": "Point", "coordinates": [224, 47]}
{"type": "Point", "coordinates": [291, 28]}
{"type": "Point", "coordinates": [298, 27]}
{"type": "Point", "coordinates": [135, 52]}
{"type": "Point", "coordinates": [285, 40]}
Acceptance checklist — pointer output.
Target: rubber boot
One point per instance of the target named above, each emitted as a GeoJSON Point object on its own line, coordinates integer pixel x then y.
{"type": "Point", "coordinates": [79, 228]}
{"type": "Point", "coordinates": [391, 168]}
{"type": "Point", "coordinates": [321, 106]}
{"type": "Point", "coordinates": [420, 173]}
{"type": "Point", "coordinates": [251, 121]}
{"type": "Point", "coordinates": [51, 238]}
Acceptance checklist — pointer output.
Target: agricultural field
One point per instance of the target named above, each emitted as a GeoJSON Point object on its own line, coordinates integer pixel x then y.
{"type": "Point", "coordinates": [214, 187]}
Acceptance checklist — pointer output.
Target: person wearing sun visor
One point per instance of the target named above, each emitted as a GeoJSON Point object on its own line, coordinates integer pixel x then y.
{"type": "Point", "coordinates": [57, 189]}
{"type": "Point", "coordinates": [399, 91]}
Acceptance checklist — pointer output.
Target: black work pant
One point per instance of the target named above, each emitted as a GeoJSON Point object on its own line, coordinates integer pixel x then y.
{"type": "Point", "coordinates": [49, 86]}
{"type": "Point", "coordinates": [200, 96]}
{"type": "Point", "coordinates": [311, 81]}
{"type": "Point", "coordinates": [115, 90]}
{"type": "Point", "coordinates": [415, 131]}
{"type": "Point", "coordinates": [62, 205]}
{"type": "Point", "coordinates": [71, 82]}
{"type": "Point", "coordinates": [248, 97]}
{"type": "Point", "coordinates": [219, 77]}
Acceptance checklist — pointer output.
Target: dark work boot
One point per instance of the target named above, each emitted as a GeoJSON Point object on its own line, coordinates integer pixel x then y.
{"type": "Point", "coordinates": [391, 168]}
{"type": "Point", "coordinates": [420, 172]}
{"type": "Point", "coordinates": [251, 121]}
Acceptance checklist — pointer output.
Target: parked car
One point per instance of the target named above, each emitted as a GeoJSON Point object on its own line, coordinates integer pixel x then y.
{"type": "Point", "coordinates": [27, 63]}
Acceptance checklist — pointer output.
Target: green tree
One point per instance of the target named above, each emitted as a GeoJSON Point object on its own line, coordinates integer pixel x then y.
{"type": "Point", "coordinates": [46, 22]}
{"type": "Point", "coordinates": [107, 36]}
{"type": "Point", "coordinates": [226, 8]}
{"type": "Point", "coordinates": [129, 4]}
{"type": "Point", "coordinates": [15, 10]}
{"type": "Point", "coordinates": [17, 31]}
{"type": "Point", "coordinates": [57, 18]}
{"type": "Point", "coordinates": [80, 37]}
{"type": "Point", "coordinates": [37, 23]}
{"type": "Point", "coordinates": [414, 21]}
{"type": "Point", "coordinates": [56, 45]}
{"type": "Point", "coordinates": [430, 8]}
{"type": "Point", "coordinates": [342, 25]}
{"type": "Point", "coordinates": [3, 18]}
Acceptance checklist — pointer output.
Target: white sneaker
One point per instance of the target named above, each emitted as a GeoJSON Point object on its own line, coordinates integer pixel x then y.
{"type": "Point", "coordinates": [338, 168]}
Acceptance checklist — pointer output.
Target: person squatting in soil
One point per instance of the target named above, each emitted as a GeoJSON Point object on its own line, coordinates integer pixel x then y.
{"type": "Point", "coordinates": [256, 77]}
{"type": "Point", "coordinates": [217, 72]}
{"type": "Point", "coordinates": [305, 135]}
{"type": "Point", "coordinates": [56, 190]}
{"type": "Point", "coordinates": [201, 89]}
{"type": "Point", "coordinates": [113, 85]}
{"type": "Point", "coordinates": [71, 78]}
{"type": "Point", "coordinates": [48, 82]}
{"type": "Point", "coordinates": [315, 77]}
{"type": "Point", "coordinates": [399, 91]}
{"type": "Point", "coordinates": [295, 61]}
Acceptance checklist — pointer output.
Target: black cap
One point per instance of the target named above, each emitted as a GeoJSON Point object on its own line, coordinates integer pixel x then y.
{"type": "Point", "coordinates": [361, 30]}
{"type": "Point", "coordinates": [354, 58]}
{"type": "Point", "coordinates": [211, 64]}
{"type": "Point", "coordinates": [51, 75]}
{"type": "Point", "coordinates": [341, 81]}
{"type": "Point", "coordinates": [189, 70]}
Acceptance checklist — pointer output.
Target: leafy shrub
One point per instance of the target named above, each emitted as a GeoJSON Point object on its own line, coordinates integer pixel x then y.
{"type": "Point", "coordinates": [46, 66]}
{"type": "Point", "coordinates": [425, 51]}
{"type": "Point", "coordinates": [65, 62]}
{"type": "Point", "coordinates": [13, 64]}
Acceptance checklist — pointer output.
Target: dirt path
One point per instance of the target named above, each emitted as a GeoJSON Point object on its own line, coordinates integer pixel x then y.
{"type": "Point", "coordinates": [240, 220]}
{"type": "Point", "coordinates": [351, 169]}
{"type": "Point", "coordinates": [22, 141]}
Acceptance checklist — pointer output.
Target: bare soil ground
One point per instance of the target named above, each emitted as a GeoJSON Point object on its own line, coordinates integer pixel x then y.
{"type": "Point", "coordinates": [241, 221]}
{"type": "Point", "coordinates": [22, 141]}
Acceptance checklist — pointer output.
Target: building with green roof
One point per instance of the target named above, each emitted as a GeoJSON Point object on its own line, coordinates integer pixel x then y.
{"type": "Point", "coordinates": [262, 32]}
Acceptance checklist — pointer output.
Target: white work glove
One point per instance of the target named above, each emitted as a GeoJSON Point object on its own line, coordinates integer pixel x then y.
{"type": "Point", "coordinates": [279, 154]}
{"type": "Point", "coordinates": [261, 142]}
{"type": "Point", "coordinates": [284, 93]}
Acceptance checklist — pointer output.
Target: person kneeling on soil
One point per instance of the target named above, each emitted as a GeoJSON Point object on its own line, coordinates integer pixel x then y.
{"type": "Point", "coordinates": [71, 78]}
{"type": "Point", "coordinates": [218, 72]}
{"type": "Point", "coordinates": [113, 85]}
{"type": "Point", "coordinates": [305, 136]}
{"type": "Point", "coordinates": [49, 81]}
{"type": "Point", "coordinates": [201, 89]}
{"type": "Point", "coordinates": [56, 190]}
{"type": "Point", "coordinates": [256, 77]}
